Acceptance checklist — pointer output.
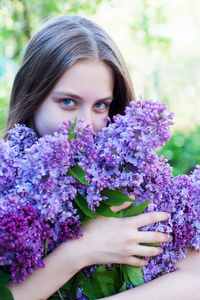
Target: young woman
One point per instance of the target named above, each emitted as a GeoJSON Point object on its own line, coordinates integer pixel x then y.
{"type": "Point", "coordinates": [71, 67]}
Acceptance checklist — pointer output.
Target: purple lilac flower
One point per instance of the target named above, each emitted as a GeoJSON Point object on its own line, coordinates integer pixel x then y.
{"type": "Point", "coordinates": [37, 190]}
{"type": "Point", "coordinates": [7, 166]}
{"type": "Point", "coordinates": [127, 155]}
{"type": "Point", "coordinates": [80, 295]}
{"type": "Point", "coordinates": [23, 233]}
{"type": "Point", "coordinates": [39, 180]}
{"type": "Point", "coordinates": [179, 199]}
{"type": "Point", "coordinates": [21, 137]}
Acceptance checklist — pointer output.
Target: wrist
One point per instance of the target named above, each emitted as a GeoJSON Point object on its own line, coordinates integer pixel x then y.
{"type": "Point", "coordinates": [73, 255]}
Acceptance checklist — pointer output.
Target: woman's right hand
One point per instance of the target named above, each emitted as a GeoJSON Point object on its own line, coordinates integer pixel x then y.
{"type": "Point", "coordinates": [104, 241]}
{"type": "Point", "coordinates": [118, 240]}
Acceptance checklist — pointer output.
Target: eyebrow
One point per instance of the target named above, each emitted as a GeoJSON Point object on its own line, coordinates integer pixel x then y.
{"type": "Point", "coordinates": [71, 95]}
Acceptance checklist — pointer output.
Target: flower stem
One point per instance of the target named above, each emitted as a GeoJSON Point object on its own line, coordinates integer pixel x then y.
{"type": "Point", "coordinates": [59, 293]}
{"type": "Point", "coordinates": [45, 247]}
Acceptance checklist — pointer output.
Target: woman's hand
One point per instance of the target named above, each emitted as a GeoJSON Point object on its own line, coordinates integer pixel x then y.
{"type": "Point", "coordinates": [104, 241]}
{"type": "Point", "coordinates": [123, 206]}
{"type": "Point", "coordinates": [113, 240]}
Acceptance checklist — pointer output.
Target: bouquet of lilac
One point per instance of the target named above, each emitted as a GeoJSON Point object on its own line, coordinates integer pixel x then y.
{"type": "Point", "coordinates": [49, 186]}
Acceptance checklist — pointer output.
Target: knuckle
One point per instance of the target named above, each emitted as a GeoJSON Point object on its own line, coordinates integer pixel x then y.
{"type": "Point", "coordinates": [152, 217]}
{"type": "Point", "coordinates": [125, 260]}
{"type": "Point", "coordinates": [156, 251]}
{"type": "Point", "coordinates": [128, 252]}
{"type": "Point", "coordinates": [156, 236]}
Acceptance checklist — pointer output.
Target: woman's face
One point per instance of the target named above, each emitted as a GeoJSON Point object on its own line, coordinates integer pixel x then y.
{"type": "Point", "coordinates": [84, 91]}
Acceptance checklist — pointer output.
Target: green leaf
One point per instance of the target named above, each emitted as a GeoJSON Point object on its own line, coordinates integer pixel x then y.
{"type": "Point", "coordinates": [4, 278]}
{"type": "Point", "coordinates": [101, 269]}
{"type": "Point", "coordinates": [104, 290]}
{"type": "Point", "coordinates": [92, 288]}
{"type": "Point", "coordinates": [5, 294]}
{"type": "Point", "coordinates": [107, 277]}
{"type": "Point", "coordinates": [125, 274]}
{"type": "Point", "coordinates": [71, 134]}
{"type": "Point", "coordinates": [83, 205]}
{"type": "Point", "coordinates": [116, 197]}
{"type": "Point", "coordinates": [78, 173]}
{"type": "Point", "coordinates": [69, 284]}
{"type": "Point", "coordinates": [108, 289]}
{"type": "Point", "coordinates": [134, 274]}
{"type": "Point", "coordinates": [79, 211]}
{"type": "Point", "coordinates": [135, 210]}
{"type": "Point", "coordinates": [111, 290]}
{"type": "Point", "coordinates": [85, 220]}
{"type": "Point", "coordinates": [105, 211]}
{"type": "Point", "coordinates": [123, 288]}
{"type": "Point", "coordinates": [80, 278]}
{"type": "Point", "coordinates": [150, 244]}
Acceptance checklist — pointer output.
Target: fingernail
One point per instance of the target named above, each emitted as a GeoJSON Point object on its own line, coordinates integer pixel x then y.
{"type": "Point", "coordinates": [170, 238]}
{"type": "Point", "coordinates": [169, 215]}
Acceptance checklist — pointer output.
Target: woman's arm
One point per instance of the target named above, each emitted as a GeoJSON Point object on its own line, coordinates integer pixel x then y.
{"type": "Point", "coordinates": [183, 284]}
{"type": "Point", "coordinates": [105, 240]}
{"type": "Point", "coordinates": [60, 265]}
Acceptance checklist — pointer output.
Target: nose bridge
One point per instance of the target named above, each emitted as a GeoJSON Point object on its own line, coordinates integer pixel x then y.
{"type": "Point", "coordinates": [87, 116]}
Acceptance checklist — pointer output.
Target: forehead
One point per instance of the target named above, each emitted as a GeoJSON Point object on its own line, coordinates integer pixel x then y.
{"type": "Point", "coordinates": [87, 75]}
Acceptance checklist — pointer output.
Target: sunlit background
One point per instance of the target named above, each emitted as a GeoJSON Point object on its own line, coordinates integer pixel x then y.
{"type": "Point", "coordinates": [160, 42]}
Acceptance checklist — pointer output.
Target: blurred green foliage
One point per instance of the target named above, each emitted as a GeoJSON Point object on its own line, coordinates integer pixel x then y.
{"type": "Point", "coordinates": [147, 27]}
{"type": "Point", "coordinates": [150, 18]}
{"type": "Point", "coordinates": [20, 18]}
{"type": "Point", "coordinates": [3, 112]}
{"type": "Point", "coordinates": [183, 151]}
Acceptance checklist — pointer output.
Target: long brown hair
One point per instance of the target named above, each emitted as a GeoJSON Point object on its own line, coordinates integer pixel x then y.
{"type": "Point", "coordinates": [56, 46]}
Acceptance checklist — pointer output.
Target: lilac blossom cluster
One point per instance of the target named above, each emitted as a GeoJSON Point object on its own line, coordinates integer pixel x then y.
{"type": "Point", "coordinates": [126, 153]}
{"type": "Point", "coordinates": [38, 189]}
{"type": "Point", "coordinates": [36, 198]}
{"type": "Point", "coordinates": [130, 161]}
{"type": "Point", "coordinates": [181, 199]}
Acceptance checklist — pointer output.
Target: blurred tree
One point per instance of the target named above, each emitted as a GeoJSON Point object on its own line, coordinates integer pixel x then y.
{"type": "Point", "coordinates": [19, 18]}
{"type": "Point", "coordinates": [150, 29]}
{"type": "Point", "coordinates": [149, 23]}
{"type": "Point", "coordinates": [182, 151]}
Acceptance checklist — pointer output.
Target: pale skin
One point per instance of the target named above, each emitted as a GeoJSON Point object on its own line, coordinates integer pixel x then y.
{"type": "Point", "coordinates": [86, 91]}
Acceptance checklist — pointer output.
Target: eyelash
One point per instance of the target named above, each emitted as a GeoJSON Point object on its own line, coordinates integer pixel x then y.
{"type": "Point", "coordinates": [62, 101]}
{"type": "Point", "coordinates": [106, 104]}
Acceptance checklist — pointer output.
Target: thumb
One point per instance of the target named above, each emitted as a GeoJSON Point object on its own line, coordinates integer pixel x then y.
{"type": "Point", "coordinates": [124, 205]}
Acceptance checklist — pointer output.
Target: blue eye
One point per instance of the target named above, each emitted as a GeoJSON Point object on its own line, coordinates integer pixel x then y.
{"type": "Point", "coordinates": [68, 102]}
{"type": "Point", "coordinates": [100, 105]}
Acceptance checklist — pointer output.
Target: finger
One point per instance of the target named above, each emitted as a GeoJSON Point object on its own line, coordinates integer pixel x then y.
{"type": "Point", "coordinates": [153, 237]}
{"type": "Point", "coordinates": [134, 261]}
{"type": "Point", "coordinates": [132, 196]}
{"type": "Point", "coordinates": [147, 251]}
{"type": "Point", "coordinates": [123, 206]}
{"type": "Point", "coordinates": [150, 218]}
